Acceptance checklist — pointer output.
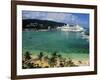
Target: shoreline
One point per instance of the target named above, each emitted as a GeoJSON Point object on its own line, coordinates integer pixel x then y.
{"type": "Point", "coordinates": [54, 60]}
{"type": "Point", "coordinates": [77, 61]}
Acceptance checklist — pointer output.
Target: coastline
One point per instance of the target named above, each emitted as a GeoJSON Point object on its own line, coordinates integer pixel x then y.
{"type": "Point", "coordinates": [48, 50]}
{"type": "Point", "coordinates": [43, 61]}
{"type": "Point", "coordinates": [77, 62]}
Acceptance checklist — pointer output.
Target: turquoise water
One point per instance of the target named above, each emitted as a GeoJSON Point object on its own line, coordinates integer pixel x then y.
{"type": "Point", "coordinates": [66, 43]}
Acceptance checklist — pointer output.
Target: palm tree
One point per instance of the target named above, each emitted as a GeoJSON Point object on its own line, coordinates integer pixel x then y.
{"type": "Point", "coordinates": [46, 58]}
{"type": "Point", "coordinates": [54, 54]}
{"type": "Point", "coordinates": [40, 56]}
{"type": "Point", "coordinates": [53, 59]}
{"type": "Point", "coordinates": [60, 57]}
{"type": "Point", "coordinates": [70, 63]}
{"type": "Point", "coordinates": [27, 56]}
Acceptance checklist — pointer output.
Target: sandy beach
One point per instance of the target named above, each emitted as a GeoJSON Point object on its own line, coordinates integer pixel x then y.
{"type": "Point", "coordinates": [50, 61]}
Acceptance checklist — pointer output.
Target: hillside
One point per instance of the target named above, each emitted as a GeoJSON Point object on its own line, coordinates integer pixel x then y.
{"type": "Point", "coordinates": [40, 24]}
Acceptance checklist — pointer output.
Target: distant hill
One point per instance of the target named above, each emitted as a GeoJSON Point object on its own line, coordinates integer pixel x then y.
{"type": "Point", "coordinates": [40, 24]}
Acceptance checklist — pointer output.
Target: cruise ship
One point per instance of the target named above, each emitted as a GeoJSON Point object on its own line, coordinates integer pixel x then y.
{"type": "Point", "coordinates": [74, 28]}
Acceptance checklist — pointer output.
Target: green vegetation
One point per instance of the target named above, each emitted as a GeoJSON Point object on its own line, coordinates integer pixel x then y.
{"type": "Point", "coordinates": [46, 61]}
{"type": "Point", "coordinates": [40, 24]}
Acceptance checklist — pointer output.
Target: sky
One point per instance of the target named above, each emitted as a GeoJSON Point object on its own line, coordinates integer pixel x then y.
{"type": "Point", "coordinates": [64, 17]}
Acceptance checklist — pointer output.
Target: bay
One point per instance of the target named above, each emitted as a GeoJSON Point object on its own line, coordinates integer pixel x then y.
{"type": "Point", "coordinates": [69, 44]}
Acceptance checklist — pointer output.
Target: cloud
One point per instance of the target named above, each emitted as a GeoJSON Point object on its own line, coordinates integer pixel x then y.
{"type": "Point", "coordinates": [61, 17]}
{"type": "Point", "coordinates": [53, 16]}
{"type": "Point", "coordinates": [70, 18]}
{"type": "Point", "coordinates": [32, 15]}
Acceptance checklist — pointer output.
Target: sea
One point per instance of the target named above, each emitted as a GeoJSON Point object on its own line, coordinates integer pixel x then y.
{"type": "Point", "coordinates": [68, 44]}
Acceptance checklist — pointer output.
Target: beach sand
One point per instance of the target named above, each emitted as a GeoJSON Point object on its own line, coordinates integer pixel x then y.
{"type": "Point", "coordinates": [68, 62]}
